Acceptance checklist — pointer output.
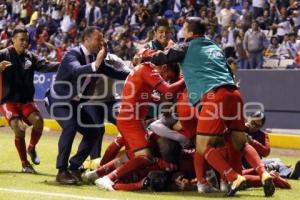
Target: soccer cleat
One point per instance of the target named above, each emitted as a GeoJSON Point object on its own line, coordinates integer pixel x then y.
{"type": "Point", "coordinates": [105, 183]}
{"type": "Point", "coordinates": [33, 155]}
{"type": "Point", "coordinates": [268, 184]}
{"type": "Point", "coordinates": [28, 169]}
{"type": "Point", "coordinates": [238, 184]}
{"type": "Point", "coordinates": [146, 183]}
{"type": "Point", "coordinates": [206, 188]}
{"type": "Point", "coordinates": [90, 177]}
{"type": "Point", "coordinates": [295, 174]}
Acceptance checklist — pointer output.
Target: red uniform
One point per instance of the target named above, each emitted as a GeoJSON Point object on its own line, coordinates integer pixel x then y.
{"type": "Point", "coordinates": [18, 110]}
{"type": "Point", "coordinates": [186, 114]}
{"type": "Point", "coordinates": [221, 108]}
{"type": "Point", "coordinates": [136, 97]}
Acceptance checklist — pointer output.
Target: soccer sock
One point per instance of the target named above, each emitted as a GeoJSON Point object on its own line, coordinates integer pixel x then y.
{"type": "Point", "coordinates": [254, 181]}
{"type": "Point", "coordinates": [134, 164]}
{"type": "Point", "coordinates": [215, 159]}
{"type": "Point", "coordinates": [21, 148]}
{"type": "Point", "coordinates": [253, 159]}
{"type": "Point", "coordinates": [112, 150]}
{"type": "Point", "coordinates": [250, 171]}
{"type": "Point", "coordinates": [107, 168]}
{"type": "Point", "coordinates": [199, 166]}
{"type": "Point", "coordinates": [128, 186]}
{"type": "Point", "coordinates": [35, 137]}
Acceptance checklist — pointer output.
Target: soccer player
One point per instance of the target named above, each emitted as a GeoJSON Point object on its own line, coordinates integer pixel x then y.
{"type": "Point", "coordinates": [136, 96]}
{"type": "Point", "coordinates": [211, 85]}
{"type": "Point", "coordinates": [17, 106]}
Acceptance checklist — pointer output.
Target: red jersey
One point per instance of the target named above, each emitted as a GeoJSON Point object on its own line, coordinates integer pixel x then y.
{"type": "Point", "coordinates": [137, 92]}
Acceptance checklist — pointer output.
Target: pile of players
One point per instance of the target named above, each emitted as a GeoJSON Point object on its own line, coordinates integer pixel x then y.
{"type": "Point", "coordinates": [199, 139]}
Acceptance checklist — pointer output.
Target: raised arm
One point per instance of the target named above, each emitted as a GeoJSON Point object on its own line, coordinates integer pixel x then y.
{"type": "Point", "coordinates": [173, 55]}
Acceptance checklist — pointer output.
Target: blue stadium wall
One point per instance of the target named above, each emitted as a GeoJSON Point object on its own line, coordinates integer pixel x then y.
{"type": "Point", "coordinates": [277, 90]}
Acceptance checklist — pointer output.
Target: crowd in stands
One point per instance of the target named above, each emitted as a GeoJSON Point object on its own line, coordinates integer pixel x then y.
{"type": "Point", "coordinates": [251, 32]}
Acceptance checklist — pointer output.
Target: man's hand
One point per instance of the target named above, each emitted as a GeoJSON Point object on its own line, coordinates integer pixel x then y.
{"type": "Point", "coordinates": [100, 57]}
{"type": "Point", "coordinates": [4, 64]}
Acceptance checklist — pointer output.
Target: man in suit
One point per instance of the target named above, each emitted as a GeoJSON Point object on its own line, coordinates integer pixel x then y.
{"type": "Point", "coordinates": [66, 102]}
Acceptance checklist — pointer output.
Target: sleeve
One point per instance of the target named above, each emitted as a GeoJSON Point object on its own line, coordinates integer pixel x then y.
{"type": "Point", "coordinates": [110, 71]}
{"type": "Point", "coordinates": [172, 55]}
{"type": "Point", "coordinates": [42, 65]}
{"type": "Point", "coordinates": [263, 148]}
{"type": "Point", "coordinates": [162, 130]}
{"type": "Point", "coordinates": [154, 79]}
{"type": "Point", "coordinates": [71, 63]}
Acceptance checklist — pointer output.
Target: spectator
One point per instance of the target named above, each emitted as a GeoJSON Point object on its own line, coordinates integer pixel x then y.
{"type": "Point", "coordinates": [272, 49]}
{"type": "Point", "coordinates": [284, 51]}
{"type": "Point", "coordinates": [254, 43]}
{"type": "Point", "coordinates": [240, 51]}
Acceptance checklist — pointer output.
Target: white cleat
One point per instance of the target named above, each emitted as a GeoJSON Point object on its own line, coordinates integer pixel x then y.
{"type": "Point", "coordinates": [90, 177]}
{"type": "Point", "coordinates": [206, 188]}
{"type": "Point", "coordinates": [105, 183]}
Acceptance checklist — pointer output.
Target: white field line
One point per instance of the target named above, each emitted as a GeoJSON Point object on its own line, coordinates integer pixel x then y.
{"type": "Point", "coordinates": [52, 194]}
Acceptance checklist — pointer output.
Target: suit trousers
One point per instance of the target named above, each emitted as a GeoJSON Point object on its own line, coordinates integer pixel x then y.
{"type": "Point", "coordinates": [76, 117]}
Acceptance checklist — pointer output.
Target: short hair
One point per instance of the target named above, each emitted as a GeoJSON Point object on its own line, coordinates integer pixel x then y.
{"type": "Point", "coordinates": [259, 115]}
{"type": "Point", "coordinates": [161, 21]}
{"type": "Point", "coordinates": [158, 180]}
{"type": "Point", "coordinates": [19, 30]}
{"type": "Point", "coordinates": [195, 25]}
{"type": "Point", "coordinates": [88, 32]}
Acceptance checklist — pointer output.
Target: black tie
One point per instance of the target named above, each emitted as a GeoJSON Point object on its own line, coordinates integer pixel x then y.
{"type": "Point", "coordinates": [91, 58]}
{"type": "Point", "coordinates": [92, 16]}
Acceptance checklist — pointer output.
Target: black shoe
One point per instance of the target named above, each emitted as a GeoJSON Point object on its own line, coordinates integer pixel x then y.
{"type": "Point", "coordinates": [295, 174]}
{"type": "Point", "coordinates": [65, 177]}
{"type": "Point", "coordinates": [34, 157]}
{"type": "Point", "coordinates": [77, 175]}
{"type": "Point", "coordinates": [28, 169]}
{"type": "Point", "coordinates": [146, 183]}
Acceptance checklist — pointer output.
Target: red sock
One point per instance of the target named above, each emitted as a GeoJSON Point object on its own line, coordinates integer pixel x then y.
{"type": "Point", "coordinates": [250, 171]}
{"type": "Point", "coordinates": [280, 182]}
{"type": "Point", "coordinates": [253, 159]}
{"type": "Point", "coordinates": [215, 159]}
{"type": "Point", "coordinates": [200, 167]}
{"type": "Point", "coordinates": [112, 150]}
{"type": "Point", "coordinates": [234, 158]}
{"type": "Point", "coordinates": [35, 137]}
{"type": "Point", "coordinates": [128, 186]}
{"type": "Point", "coordinates": [134, 164]}
{"type": "Point", "coordinates": [107, 168]}
{"type": "Point", "coordinates": [21, 148]}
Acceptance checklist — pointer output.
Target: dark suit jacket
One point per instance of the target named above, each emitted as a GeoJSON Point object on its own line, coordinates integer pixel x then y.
{"type": "Point", "coordinates": [73, 65]}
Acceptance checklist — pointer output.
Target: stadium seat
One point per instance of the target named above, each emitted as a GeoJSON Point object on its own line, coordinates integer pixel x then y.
{"type": "Point", "coordinates": [271, 63]}
{"type": "Point", "coordinates": [284, 63]}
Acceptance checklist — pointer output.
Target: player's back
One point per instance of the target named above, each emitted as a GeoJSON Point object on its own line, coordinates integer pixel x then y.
{"type": "Point", "coordinates": [138, 88]}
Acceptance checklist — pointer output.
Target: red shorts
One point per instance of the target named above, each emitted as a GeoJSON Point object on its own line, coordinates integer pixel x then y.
{"type": "Point", "coordinates": [222, 109]}
{"type": "Point", "coordinates": [135, 136]}
{"type": "Point", "coordinates": [18, 110]}
{"type": "Point", "coordinates": [186, 115]}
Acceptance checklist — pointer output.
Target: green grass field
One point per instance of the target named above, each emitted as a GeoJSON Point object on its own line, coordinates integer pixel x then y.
{"type": "Point", "coordinates": [15, 185]}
